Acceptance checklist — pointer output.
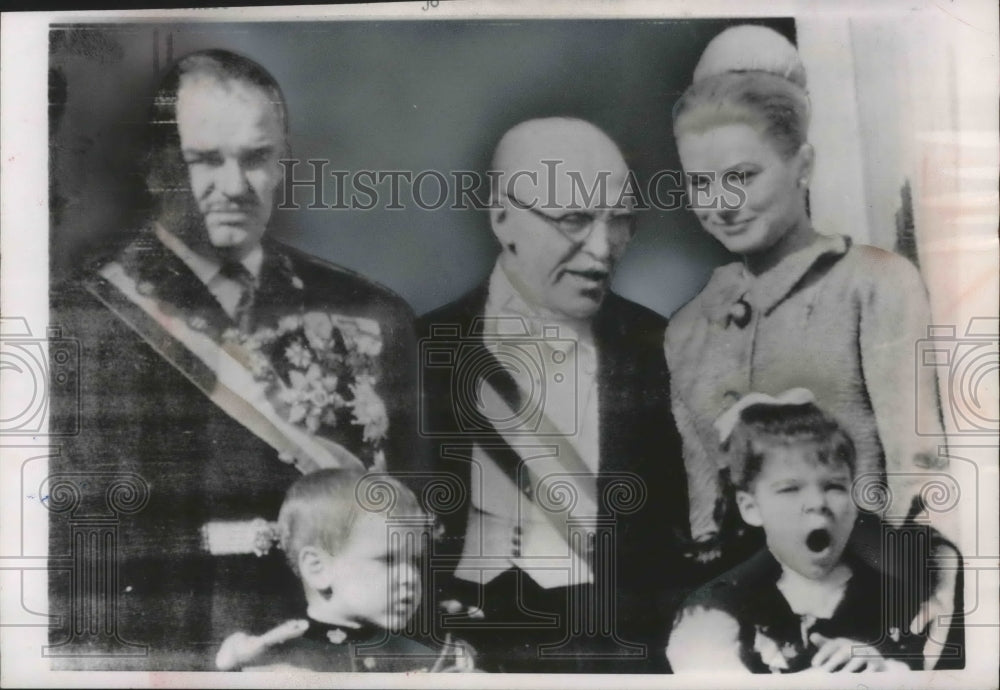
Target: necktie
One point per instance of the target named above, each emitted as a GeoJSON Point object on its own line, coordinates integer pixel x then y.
{"type": "Point", "coordinates": [237, 272]}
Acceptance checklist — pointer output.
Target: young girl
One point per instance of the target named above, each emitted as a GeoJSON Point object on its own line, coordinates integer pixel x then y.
{"type": "Point", "coordinates": [804, 602]}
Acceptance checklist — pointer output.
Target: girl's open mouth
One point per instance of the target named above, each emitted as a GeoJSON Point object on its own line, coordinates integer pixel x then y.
{"type": "Point", "coordinates": [818, 540]}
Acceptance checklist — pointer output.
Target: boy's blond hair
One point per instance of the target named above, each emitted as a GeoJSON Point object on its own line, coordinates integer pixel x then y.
{"type": "Point", "coordinates": [321, 507]}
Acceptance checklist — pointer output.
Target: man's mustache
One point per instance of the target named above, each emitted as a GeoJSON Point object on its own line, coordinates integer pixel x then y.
{"type": "Point", "coordinates": [233, 206]}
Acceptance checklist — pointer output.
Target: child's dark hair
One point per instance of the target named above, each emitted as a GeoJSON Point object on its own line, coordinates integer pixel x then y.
{"type": "Point", "coordinates": [321, 507]}
{"type": "Point", "coordinates": [762, 427]}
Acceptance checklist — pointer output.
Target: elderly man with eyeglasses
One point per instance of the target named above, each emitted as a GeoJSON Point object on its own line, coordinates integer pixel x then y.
{"type": "Point", "coordinates": [548, 398]}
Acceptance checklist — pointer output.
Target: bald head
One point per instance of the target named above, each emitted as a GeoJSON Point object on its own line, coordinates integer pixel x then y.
{"type": "Point", "coordinates": [555, 160]}
{"type": "Point", "coordinates": [561, 213]}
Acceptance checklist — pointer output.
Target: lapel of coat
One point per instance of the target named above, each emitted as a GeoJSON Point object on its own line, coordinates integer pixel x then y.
{"type": "Point", "coordinates": [467, 314]}
{"type": "Point", "coordinates": [614, 365]}
{"type": "Point", "coordinates": [159, 273]}
{"type": "Point", "coordinates": [473, 323]}
{"type": "Point", "coordinates": [281, 291]}
{"type": "Point", "coordinates": [616, 371]}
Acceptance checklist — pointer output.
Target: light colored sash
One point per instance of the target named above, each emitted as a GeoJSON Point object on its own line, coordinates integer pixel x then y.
{"type": "Point", "coordinates": [232, 387]}
{"type": "Point", "coordinates": [559, 482]}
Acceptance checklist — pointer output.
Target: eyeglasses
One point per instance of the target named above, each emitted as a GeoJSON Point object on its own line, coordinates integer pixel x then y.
{"type": "Point", "coordinates": [576, 226]}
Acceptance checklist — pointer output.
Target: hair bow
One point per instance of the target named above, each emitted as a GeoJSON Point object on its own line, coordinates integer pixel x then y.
{"type": "Point", "coordinates": [726, 421]}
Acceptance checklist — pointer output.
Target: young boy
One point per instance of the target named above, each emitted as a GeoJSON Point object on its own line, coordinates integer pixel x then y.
{"type": "Point", "coordinates": [803, 602]}
{"type": "Point", "coordinates": [360, 571]}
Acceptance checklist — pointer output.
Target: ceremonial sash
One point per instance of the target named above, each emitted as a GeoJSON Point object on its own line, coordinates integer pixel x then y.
{"type": "Point", "coordinates": [218, 371]}
{"type": "Point", "coordinates": [538, 459]}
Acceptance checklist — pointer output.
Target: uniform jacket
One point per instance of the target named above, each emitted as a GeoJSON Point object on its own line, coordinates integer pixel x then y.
{"type": "Point", "coordinates": [330, 648]}
{"type": "Point", "coordinates": [179, 462]}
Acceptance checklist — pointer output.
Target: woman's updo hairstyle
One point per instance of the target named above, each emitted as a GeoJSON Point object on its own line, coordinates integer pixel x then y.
{"type": "Point", "coordinates": [748, 75]}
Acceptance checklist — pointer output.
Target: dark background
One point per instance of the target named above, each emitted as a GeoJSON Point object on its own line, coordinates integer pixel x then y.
{"type": "Point", "coordinates": [390, 95]}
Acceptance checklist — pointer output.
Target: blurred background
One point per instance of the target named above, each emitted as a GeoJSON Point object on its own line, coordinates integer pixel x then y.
{"type": "Point", "coordinates": [390, 95]}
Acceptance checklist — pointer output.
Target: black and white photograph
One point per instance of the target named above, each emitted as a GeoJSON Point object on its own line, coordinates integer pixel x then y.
{"type": "Point", "coordinates": [600, 343]}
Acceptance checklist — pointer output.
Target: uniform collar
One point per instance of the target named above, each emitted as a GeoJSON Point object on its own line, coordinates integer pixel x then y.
{"type": "Point", "coordinates": [205, 268]}
{"type": "Point", "coordinates": [339, 634]}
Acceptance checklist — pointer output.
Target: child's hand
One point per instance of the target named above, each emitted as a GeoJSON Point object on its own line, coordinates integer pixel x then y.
{"type": "Point", "coordinates": [240, 648]}
{"type": "Point", "coordinates": [454, 606]}
{"type": "Point", "coordinates": [844, 654]}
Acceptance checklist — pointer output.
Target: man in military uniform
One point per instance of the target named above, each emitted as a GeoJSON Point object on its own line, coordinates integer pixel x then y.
{"type": "Point", "coordinates": [177, 402]}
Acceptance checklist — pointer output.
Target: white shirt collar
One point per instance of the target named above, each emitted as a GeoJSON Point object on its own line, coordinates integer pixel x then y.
{"type": "Point", "coordinates": [206, 268]}
{"type": "Point", "coordinates": [504, 299]}
{"type": "Point", "coordinates": [817, 598]}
